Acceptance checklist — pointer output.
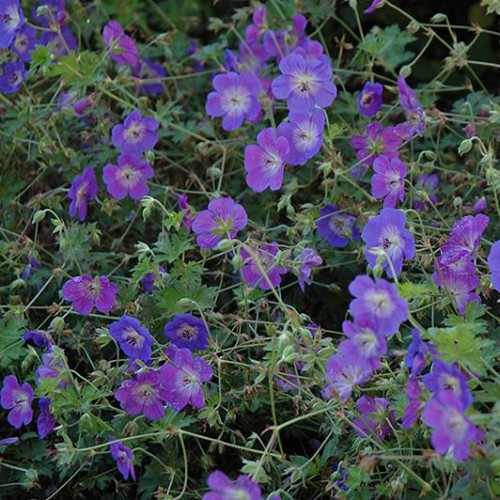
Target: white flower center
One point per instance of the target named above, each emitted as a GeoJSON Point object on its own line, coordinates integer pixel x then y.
{"type": "Point", "coordinates": [380, 303]}
{"type": "Point", "coordinates": [235, 100]}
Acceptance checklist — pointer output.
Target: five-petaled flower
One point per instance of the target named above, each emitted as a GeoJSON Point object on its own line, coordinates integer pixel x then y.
{"type": "Point", "coordinates": [222, 219]}
{"type": "Point", "coordinates": [187, 331]}
{"type": "Point", "coordinates": [17, 398]}
{"type": "Point", "coordinates": [136, 135]}
{"type": "Point", "coordinates": [134, 339]}
{"type": "Point", "coordinates": [86, 293]}
{"type": "Point", "coordinates": [124, 458]}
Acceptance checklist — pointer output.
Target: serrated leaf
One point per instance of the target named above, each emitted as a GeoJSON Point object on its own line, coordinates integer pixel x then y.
{"type": "Point", "coordinates": [11, 343]}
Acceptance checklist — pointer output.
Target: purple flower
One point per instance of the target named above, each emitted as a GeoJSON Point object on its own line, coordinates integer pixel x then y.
{"type": "Point", "coordinates": [182, 380]}
{"type": "Point", "coordinates": [46, 421]}
{"type": "Point", "coordinates": [336, 227]}
{"type": "Point", "coordinates": [136, 135]}
{"type": "Point", "coordinates": [365, 344]}
{"type": "Point", "coordinates": [187, 331]}
{"type": "Point", "coordinates": [11, 19]}
{"type": "Point", "coordinates": [149, 75]}
{"type": "Point", "coordinates": [304, 134]}
{"type": "Point", "coordinates": [415, 403]}
{"type": "Point", "coordinates": [417, 351]}
{"type": "Point", "coordinates": [370, 99]}
{"type": "Point", "coordinates": [182, 200]}
{"type": "Point", "coordinates": [56, 13]}
{"type": "Point", "coordinates": [448, 379]}
{"type": "Point", "coordinates": [459, 284]}
{"type": "Point", "coordinates": [83, 189]}
{"type": "Point", "coordinates": [24, 42]}
{"type": "Point", "coordinates": [192, 50]}
{"type": "Point", "coordinates": [39, 338]}
{"type": "Point", "coordinates": [388, 181]}
{"type": "Point", "coordinates": [386, 235]}
{"type": "Point", "coordinates": [149, 279]}
{"type": "Point", "coordinates": [255, 271]}
{"type": "Point", "coordinates": [480, 205]}
{"type": "Point", "coordinates": [142, 395]}
{"type": "Point", "coordinates": [464, 239]}
{"type": "Point", "coordinates": [122, 48]}
{"type": "Point", "coordinates": [9, 441]}
{"type": "Point", "coordinates": [376, 141]}
{"type": "Point", "coordinates": [380, 301]}
{"type": "Point", "coordinates": [415, 114]}
{"type": "Point", "coordinates": [265, 162]}
{"type": "Point", "coordinates": [59, 44]}
{"type": "Point", "coordinates": [453, 431]}
{"type": "Point", "coordinates": [86, 293]}
{"type": "Point", "coordinates": [12, 77]}
{"type": "Point", "coordinates": [222, 219]}
{"type": "Point", "coordinates": [18, 400]}
{"type": "Point", "coordinates": [307, 260]}
{"type": "Point", "coordinates": [134, 339]}
{"type": "Point", "coordinates": [344, 375]}
{"type": "Point", "coordinates": [304, 84]}
{"type": "Point", "coordinates": [427, 183]}
{"type": "Point", "coordinates": [51, 368]}
{"type": "Point", "coordinates": [124, 458]}
{"type": "Point", "coordinates": [33, 263]}
{"type": "Point", "coordinates": [494, 264]}
{"type": "Point", "coordinates": [235, 98]}
{"type": "Point", "coordinates": [222, 488]}
{"type": "Point", "coordinates": [128, 178]}
{"type": "Point", "coordinates": [375, 417]}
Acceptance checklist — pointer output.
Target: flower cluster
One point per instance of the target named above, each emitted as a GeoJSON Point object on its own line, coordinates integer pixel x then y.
{"type": "Point", "coordinates": [377, 312]}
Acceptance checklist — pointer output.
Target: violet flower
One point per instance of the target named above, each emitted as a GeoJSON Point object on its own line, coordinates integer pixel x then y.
{"type": "Point", "coordinates": [222, 488]}
{"type": "Point", "coordinates": [365, 344]}
{"type": "Point", "coordinates": [24, 43]}
{"type": "Point", "coordinates": [128, 178]}
{"type": "Point", "coordinates": [370, 99]}
{"type": "Point", "coordinates": [235, 99]}
{"type": "Point", "coordinates": [494, 264]}
{"type": "Point", "coordinates": [122, 48]}
{"type": "Point", "coordinates": [149, 75]}
{"type": "Point", "coordinates": [307, 260]}
{"type": "Point", "coordinates": [344, 375]}
{"type": "Point", "coordinates": [429, 184]}
{"type": "Point", "coordinates": [136, 135]}
{"type": "Point", "coordinates": [17, 398]}
{"type": "Point", "coordinates": [376, 141]}
{"type": "Point", "coordinates": [415, 403]}
{"type": "Point", "coordinates": [460, 285]}
{"type": "Point", "coordinates": [46, 421]}
{"type": "Point", "coordinates": [222, 219]}
{"type": "Point", "coordinates": [134, 340]}
{"type": "Point", "coordinates": [86, 293]}
{"type": "Point", "coordinates": [386, 235]}
{"type": "Point", "coordinates": [124, 458]}
{"type": "Point", "coordinates": [336, 227]}
{"type": "Point", "coordinates": [183, 378]}
{"type": "Point", "coordinates": [251, 271]}
{"type": "Point", "coordinates": [13, 76]}
{"type": "Point", "coordinates": [304, 134]}
{"type": "Point", "coordinates": [149, 279]}
{"type": "Point", "coordinates": [380, 301]}
{"type": "Point", "coordinates": [143, 395]}
{"type": "Point", "coordinates": [83, 189]}
{"type": "Point", "coordinates": [415, 114]}
{"type": "Point", "coordinates": [453, 431]}
{"type": "Point", "coordinates": [305, 84]}
{"type": "Point", "coordinates": [59, 43]}
{"type": "Point", "coordinates": [187, 331]}
{"type": "Point", "coordinates": [376, 4]}
{"type": "Point", "coordinates": [388, 181]}
{"type": "Point", "coordinates": [182, 200]}
{"type": "Point", "coordinates": [52, 367]}
{"type": "Point", "coordinates": [375, 418]}
{"type": "Point", "coordinates": [416, 354]}
{"type": "Point", "coordinates": [11, 19]}
{"type": "Point", "coordinates": [448, 379]}
{"type": "Point", "coordinates": [265, 162]}
{"type": "Point", "coordinates": [464, 239]}
{"type": "Point", "coordinates": [39, 338]}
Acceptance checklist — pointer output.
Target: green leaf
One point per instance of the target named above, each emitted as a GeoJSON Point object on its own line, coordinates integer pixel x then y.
{"type": "Point", "coordinates": [179, 298]}
{"type": "Point", "coordinates": [11, 345]}
{"type": "Point", "coordinates": [388, 46]}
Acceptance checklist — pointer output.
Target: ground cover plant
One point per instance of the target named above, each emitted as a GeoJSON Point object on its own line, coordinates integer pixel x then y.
{"type": "Point", "coordinates": [249, 250]}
